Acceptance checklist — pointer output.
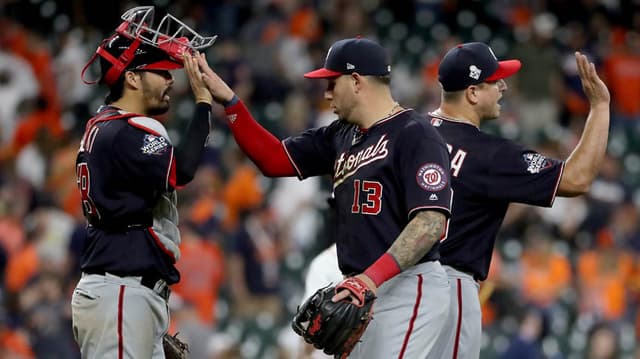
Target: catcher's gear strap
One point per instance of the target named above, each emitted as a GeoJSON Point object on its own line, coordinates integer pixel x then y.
{"type": "Point", "coordinates": [109, 114]}
{"type": "Point", "coordinates": [119, 64]}
{"type": "Point", "coordinates": [385, 268]}
{"type": "Point", "coordinates": [263, 148]}
{"type": "Point", "coordinates": [150, 125]}
{"type": "Point", "coordinates": [165, 225]}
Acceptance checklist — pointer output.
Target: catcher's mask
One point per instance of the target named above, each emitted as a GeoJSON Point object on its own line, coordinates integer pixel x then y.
{"type": "Point", "coordinates": [139, 45]}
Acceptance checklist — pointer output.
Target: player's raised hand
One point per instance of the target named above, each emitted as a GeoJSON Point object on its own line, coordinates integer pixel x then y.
{"type": "Point", "coordinates": [219, 89]}
{"type": "Point", "coordinates": [594, 88]}
{"type": "Point", "coordinates": [196, 80]}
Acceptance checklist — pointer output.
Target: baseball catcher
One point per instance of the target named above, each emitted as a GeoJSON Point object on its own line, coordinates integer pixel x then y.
{"type": "Point", "coordinates": [128, 172]}
{"type": "Point", "coordinates": [335, 326]}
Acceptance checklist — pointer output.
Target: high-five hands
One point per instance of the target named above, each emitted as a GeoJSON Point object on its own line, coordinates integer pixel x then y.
{"type": "Point", "coordinates": [219, 89]}
{"type": "Point", "coordinates": [196, 78]}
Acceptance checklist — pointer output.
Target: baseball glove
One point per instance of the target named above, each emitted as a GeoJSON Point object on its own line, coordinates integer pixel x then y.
{"type": "Point", "coordinates": [174, 348]}
{"type": "Point", "coordinates": [337, 327]}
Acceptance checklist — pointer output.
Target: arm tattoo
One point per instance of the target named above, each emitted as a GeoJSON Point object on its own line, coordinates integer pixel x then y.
{"type": "Point", "coordinates": [417, 238]}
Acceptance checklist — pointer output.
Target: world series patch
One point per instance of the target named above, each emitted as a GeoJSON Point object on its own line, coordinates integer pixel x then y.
{"type": "Point", "coordinates": [154, 145]}
{"type": "Point", "coordinates": [536, 162]}
{"type": "Point", "coordinates": [431, 177]}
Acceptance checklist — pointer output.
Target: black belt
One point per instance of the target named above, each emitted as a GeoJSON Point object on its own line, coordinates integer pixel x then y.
{"type": "Point", "coordinates": [156, 284]}
{"type": "Point", "coordinates": [119, 227]}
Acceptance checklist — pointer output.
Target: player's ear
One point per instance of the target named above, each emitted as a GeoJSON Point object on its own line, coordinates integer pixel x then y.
{"type": "Point", "coordinates": [356, 81]}
{"type": "Point", "coordinates": [471, 93]}
{"type": "Point", "coordinates": [132, 79]}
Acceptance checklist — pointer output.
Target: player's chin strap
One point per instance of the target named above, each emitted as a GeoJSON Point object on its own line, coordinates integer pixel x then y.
{"type": "Point", "coordinates": [118, 64]}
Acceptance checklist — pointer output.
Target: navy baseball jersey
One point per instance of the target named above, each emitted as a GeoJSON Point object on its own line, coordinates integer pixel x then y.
{"type": "Point", "coordinates": [487, 173]}
{"type": "Point", "coordinates": [381, 178]}
{"type": "Point", "coordinates": [126, 172]}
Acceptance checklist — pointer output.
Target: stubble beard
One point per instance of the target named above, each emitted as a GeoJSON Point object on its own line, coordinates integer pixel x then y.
{"type": "Point", "coordinates": [491, 113]}
{"type": "Point", "coordinates": [154, 100]}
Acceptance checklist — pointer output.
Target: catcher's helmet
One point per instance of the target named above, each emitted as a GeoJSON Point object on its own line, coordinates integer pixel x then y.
{"type": "Point", "coordinates": [119, 54]}
{"type": "Point", "coordinates": [138, 45]}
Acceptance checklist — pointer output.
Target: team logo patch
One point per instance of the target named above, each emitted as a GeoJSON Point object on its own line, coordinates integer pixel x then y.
{"type": "Point", "coordinates": [431, 177]}
{"type": "Point", "coordinates": [536, 162]}
{"type": "Point", "coordinates": [154, 145]}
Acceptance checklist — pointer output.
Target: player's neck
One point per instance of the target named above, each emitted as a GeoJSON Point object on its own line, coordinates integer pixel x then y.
{"type": "Point", "coordinates": [377, 111]}
{"type": "Point", "coordinates": [129, 104]}
{"type": "Point", "coordinates": [451, 113]}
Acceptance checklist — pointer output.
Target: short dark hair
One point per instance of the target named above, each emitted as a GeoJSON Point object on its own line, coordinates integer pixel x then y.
{"type": "Point", "coordinates": [115, 92]}
{"type": "Point", "coordinates": [451, 96]}
{"type": "Point", "coordinates": [383, 79]}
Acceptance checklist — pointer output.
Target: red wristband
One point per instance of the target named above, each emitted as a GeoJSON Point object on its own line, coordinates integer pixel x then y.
{"type": "Point", "coordinates": [383, 269]}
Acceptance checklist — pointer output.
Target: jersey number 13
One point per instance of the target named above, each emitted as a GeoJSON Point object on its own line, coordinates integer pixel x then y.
{"type": "Point", "coordinates": [370, 194]}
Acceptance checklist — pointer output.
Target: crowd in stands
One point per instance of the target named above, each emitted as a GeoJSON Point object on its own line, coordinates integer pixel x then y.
{"type": "Point", "coordinates": [565, 281]}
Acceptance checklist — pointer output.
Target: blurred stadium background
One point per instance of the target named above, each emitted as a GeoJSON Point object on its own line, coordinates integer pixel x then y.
{"type": "Point", "coordinates": [566, 280]}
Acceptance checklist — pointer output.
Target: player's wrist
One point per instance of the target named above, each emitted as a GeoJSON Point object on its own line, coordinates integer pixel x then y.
{"type": "Point", "coordinates": [204, 100]}
{"type": "Point", "coordinates": [385, 268]}
{"type": "Point", "coordinates": [231, 101]}
{"type": "Point", "coordinates": [368, 282]}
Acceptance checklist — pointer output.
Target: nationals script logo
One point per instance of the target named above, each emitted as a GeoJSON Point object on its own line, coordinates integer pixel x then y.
{"type": "Point", "coordinates": [347, 165]}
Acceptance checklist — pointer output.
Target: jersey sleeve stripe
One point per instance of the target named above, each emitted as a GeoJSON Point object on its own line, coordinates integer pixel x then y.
{"type": "Point", "coordinates": [555, 191]}
{"type": "Point", "coordinates": [444, 210]}
{"type": "Point", "coordinates": [172, 178]}
{"type": "Point", "coordinates": [293, 163]}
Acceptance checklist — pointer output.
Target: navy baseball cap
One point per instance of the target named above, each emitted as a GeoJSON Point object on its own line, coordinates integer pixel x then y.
{"type": "Point", "coordinates": [473, 63]}
{"type": "Point", "coordinates": [359, 55]}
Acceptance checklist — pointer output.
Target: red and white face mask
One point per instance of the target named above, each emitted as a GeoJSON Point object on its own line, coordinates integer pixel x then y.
{"type": "Point", "coordinates": [140, 44]}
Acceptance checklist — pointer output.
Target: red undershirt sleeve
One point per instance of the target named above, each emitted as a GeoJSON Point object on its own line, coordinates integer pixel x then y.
{"type": "Point", "coordinates": [262, 147]}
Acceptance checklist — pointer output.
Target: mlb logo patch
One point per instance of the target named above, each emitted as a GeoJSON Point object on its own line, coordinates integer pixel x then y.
{"type": "Point", "coordinates": [154, 145]}
{"type": "Point", "coordinates": [431, 177]}
{"type": "Point", "coordinates": [536, 162]}
{"type": "Point", "coordinates": [474, 72]}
